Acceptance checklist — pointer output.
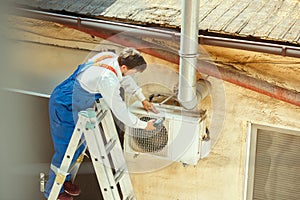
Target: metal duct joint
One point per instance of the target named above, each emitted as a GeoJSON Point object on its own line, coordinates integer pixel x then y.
{"type": "Point", "coordinates": [187, 93]}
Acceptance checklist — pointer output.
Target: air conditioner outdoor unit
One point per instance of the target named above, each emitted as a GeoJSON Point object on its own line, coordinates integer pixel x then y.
{"type": "Point", "coordinates": [179, 138]}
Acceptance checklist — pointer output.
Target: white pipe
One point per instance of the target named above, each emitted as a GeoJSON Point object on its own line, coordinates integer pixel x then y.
{"type": "Point", "coordinates": [188, 53]}
{"type": "Point", "coordinates": [27, 92]}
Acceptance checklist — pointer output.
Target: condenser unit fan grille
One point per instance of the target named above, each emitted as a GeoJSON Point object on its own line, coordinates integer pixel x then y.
{"type": "Point", "coordinates": [153, 142]}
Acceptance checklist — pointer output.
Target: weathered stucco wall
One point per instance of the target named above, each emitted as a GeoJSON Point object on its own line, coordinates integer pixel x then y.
{"type": "Point", "coordinates": [221, 174]}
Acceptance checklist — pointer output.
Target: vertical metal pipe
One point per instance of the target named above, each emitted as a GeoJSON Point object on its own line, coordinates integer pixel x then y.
{"type": "Point", "coordinates": [188, 53]}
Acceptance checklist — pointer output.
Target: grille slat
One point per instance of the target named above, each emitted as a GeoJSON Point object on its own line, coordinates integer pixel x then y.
{"type": "Point", "coordinates": [276, 173]}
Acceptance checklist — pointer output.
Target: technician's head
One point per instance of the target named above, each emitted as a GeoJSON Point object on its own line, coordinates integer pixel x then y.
{"type": "Point", "coordinates": [131, 61]}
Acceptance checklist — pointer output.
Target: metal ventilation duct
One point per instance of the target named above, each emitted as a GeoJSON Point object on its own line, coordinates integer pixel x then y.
{"type": "Point", "coordinates": [188, 53]}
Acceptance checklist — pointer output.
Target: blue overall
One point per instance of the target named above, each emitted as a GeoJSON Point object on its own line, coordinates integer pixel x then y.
{"type": "Point", "coordinates": [67, 99]}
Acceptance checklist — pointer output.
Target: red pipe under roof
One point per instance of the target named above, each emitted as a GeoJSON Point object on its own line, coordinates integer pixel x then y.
{"type": "Point", "coordinates": [94, 27]}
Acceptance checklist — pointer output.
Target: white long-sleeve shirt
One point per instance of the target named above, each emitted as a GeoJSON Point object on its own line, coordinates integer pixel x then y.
{"type": "Point", "coordinates": [97, 79]}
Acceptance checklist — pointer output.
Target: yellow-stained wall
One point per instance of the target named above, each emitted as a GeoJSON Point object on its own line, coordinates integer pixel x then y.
{"type": "Point", "coordinates": [221, 174]}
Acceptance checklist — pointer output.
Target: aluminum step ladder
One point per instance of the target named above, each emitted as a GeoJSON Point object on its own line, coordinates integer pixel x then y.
{"type": "Point", "coordinates": [105, 151]}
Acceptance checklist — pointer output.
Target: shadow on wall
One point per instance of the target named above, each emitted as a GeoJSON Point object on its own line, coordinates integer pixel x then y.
{"type": "Point", "coordinates": [27, 148]}
{"type": "Point", "coordinates": [26, 142]}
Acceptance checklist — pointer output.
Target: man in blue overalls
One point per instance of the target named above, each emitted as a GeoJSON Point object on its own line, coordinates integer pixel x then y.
{"type": "Point", "coordinates": [100, 77]}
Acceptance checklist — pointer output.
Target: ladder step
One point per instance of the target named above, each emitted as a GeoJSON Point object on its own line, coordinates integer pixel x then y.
{"type": "Point", "coordinates": [100, 116]}
{"type": "Point", "coordinates": [82, 141]}
{"type": "Point", "coordinates": [119, 174]}
{"type": "Point", "coordinates": [110, 145]}
{"type": "Point", "coordinates": [131, 197]}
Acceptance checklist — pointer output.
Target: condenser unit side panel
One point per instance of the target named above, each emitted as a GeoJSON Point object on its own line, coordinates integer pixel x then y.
{"type": "Point", "coordinates": [185, 143]}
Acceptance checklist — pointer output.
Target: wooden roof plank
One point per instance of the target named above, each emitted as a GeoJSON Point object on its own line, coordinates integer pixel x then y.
{"type": "Point", "coordinates": [142, 12]}
{"type": "Point", "coordinates": [162, 15]}
{"type": "Point", "coordinates": [207, 9]}
{"type": "Point", "coordinates": [76, 6]}
{"type": "Point", "coordinates": [204, 3]}
{"type": "Point", "coordinates": [102, 7]}
{"type": "Point", "coordinates": [217, 10]}
{"type": "Point", "coordinates": [113, 11]}
{"type": "Point", "coordinates": [289, 33]}
{"type": "Point", "coordinates": [278, 31]}
{"type": "Point", "coordinates": [244, 17]}
{"type": "Point", "coordinates": [50, 5]}
{"type": "Point", "coordinates": [135, 9]}
{"type": "Point", "coordinates": [264, 30]}
{"type": "Point", "coordinates": [165, 4]}
{"type": "Point", "coordinates": [293, 34]}
{"type": "Point", "coordinates": [83, 9]}
{"type": "Point", "coordinates": [286, 23]}
{"type": "Point", "coordinates": [231, 14]}
{"type": "Point", "coordinates": [57, 5]}
{"type": "Point", "coordinates": [89, 8]}
{"type": "Point", "coordinates": [284, 8]}
{"type": "Point", "coordinates": [260, 18]}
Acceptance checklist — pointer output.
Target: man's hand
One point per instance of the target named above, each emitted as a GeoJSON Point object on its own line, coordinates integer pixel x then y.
{"type": "Point", "coordinates": [150, 126]}
{"type": "Point", "coordinates": [149, 106]}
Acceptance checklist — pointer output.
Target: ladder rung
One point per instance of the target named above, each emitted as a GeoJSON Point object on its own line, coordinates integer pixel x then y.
{"type": "Point", "coordinates": [100, 116]}
{"type": "Point", "coordinates": [119, 174]}
{"type": "Point", "coordinates": [131, 197]}
{"type": "Point", "coordinates": [110, 145]}
{"type": "Point", "coordinates": [81, 142]}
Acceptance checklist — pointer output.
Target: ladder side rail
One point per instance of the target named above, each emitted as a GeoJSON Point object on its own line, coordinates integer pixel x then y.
{"type": "Point", "coordinates": [101, 163]}
{"type": "Point", "coordinates": [66, 162]}
{"type": "Point", "coordinates": [75, 168]}
{"type": "Point", "coordinates": [110, 133]}
{"type": "Point", "coordinates": [117, 156]}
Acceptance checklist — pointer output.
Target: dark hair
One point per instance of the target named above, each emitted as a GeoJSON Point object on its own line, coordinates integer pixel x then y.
{"type": "Point", "coordinates": [132, 59]}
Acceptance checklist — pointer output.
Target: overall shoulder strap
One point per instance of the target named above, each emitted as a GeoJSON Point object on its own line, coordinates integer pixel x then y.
{"type": "Point", "coordinates": [108, 67]}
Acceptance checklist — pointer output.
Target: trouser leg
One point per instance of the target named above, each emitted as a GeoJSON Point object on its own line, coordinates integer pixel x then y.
{"type": "Point", "coordinates": [119, 125]}
{"type": "Point", "coordinates": [120, 129]}
{"type": "Point", "coordinates": [56, 162]}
